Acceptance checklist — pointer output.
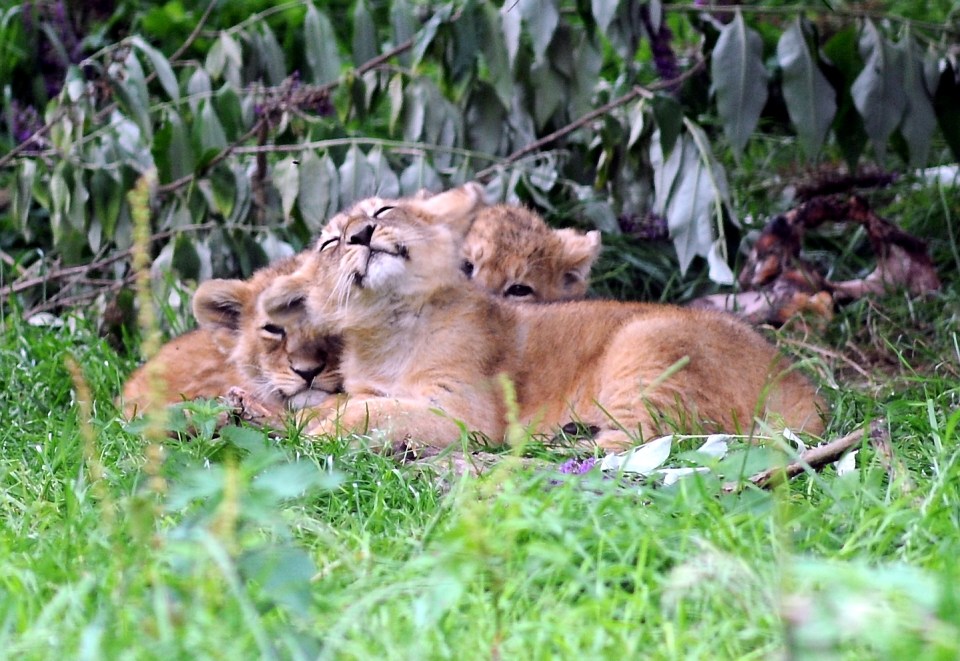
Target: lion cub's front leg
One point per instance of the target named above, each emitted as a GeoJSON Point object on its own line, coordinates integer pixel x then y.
{"type": "Point", "coordinates": [402, 420]}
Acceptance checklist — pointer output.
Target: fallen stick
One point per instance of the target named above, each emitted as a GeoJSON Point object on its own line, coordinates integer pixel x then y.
{"type": "Point", "coordinates": [812, 459]}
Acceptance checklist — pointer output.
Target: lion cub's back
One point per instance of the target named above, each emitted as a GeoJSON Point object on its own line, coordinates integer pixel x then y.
{"type": "Point", "coordinates": [724, 365]}
{"type": "Point", "coordinates": [190, 366]}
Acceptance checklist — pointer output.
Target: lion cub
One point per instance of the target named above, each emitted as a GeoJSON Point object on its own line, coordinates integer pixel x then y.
{"type": "Point", "coordinates": [510, 251]}
{"type": "Point", "coordinates": [236, 346]}
{"type": "Point", "coordinates": [422, 350]}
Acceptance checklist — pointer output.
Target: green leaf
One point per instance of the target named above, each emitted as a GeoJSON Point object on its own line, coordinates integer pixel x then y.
{"type": "Point", "coordinates": [841, 51]}
{"type": "Point", "coordinates": [485, 118]}
{"type": "Point", "coordinates": [22, 195]}
{"type": "Point", "coordinates": [320, 41]}
{"type": "Point", "coordinates": [739, 81]}
{"type": "Point", "coordinates": [242, 195]}
{"type": "Point", "coordinates": [77, 212]}
{"type": "Point", "coordinates": [666, 168]}
{"type": "Point", "coordinates": [253, 441]}
{"type": "Point", "coordinates": [179, 151]}
{"type": "Point", "coordinates": [467, 42]}
{"type": "Point", "coordinates": [668, 115]}
{"type": "Point", "coordinates": [212, 136]}
{"type": "Point", "coordinates": [364, 34]}
{"type": "Point", "coordinates": [919, 120]}
{"type": "Point", "coordinates": [161, 66]}
{"type": "Point", "coordinates": [387, 184]}
{"type": "Point", "coordinates": [404, 25]}
{"type": "Point", "coordinates": [356, 178]}
{"type": "Point", "coordinates": [510, 21]}
{"type": "Point", "coordinates": [603, 12]}
{"type": "Point", "coordinates": [271, 55]}
{"type": "Point", "coordinates": [107, 195]}
{"type": "Point", "coordinates": [419, 176]}
{"type": "Point", "coordinates": [319, 192]}
{"type": "Point", "coordinates": [289, 480]}
{"type": "Point", "coordinates": [59, 201]}
{"type": "Point", "coordinates": [541, 18]}
{"type": "Point", "coordinates": [810, 99]}
{"type": "Point", "coordinates": [131, 88]}
{"type": "Point", "coordinates": [223, 189]}
{"type": "Point", "coordinates": [549, 90]}
{"type": "Point", "coordinates": [229, 112]}
{"type": "Point", "coordinates": [284, 575]}
{"type": "Point", "coordinates": [415, 100]}
{"type": "Point", "coordinates": [185, 258]}
{"type": "Point", "coordinates": [395, 92]}
{"type": "Point", "coordinates": [425, 35]}
{"type": "Point", "coordinates": [878, 91]}
{"type": "Point", "coordinates": [494, 48]}
{"type": "Point", "coordinates": [286, 179]}
{"type": "Point", "coordinates": [198, 88]}
{"type": "Point", "coordinates": [946, 102]}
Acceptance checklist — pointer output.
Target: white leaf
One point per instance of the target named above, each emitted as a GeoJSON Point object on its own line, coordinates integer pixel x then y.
{"type": "Point", "coordinates": [719, 269]}
{"type": "Point", "coordinates": [286, 178]}
{"type": "Point", "coordinates": [715, 445]}
{"type": "Point", "coordinates": [673, 475]}
{"type": "Point", "coordinates": [603, 12]}
{"type": "Point", "coordinates": [848, 463]}
{"type": "Point", "coordinates": [642, 460]}
{"type": "Point", "coordinates": [510, 20]}
{"type": "Point", "coordinates": [793, 438]}
{"type": "Point", "coordinates": [739, 80]}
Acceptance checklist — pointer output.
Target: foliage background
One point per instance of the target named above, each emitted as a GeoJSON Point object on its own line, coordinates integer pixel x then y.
{"type": "Point", "coordinates": [263, 119]}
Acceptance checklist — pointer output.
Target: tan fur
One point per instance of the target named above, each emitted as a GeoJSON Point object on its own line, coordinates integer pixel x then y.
{"type": "Point", "coordinates": [190, 366]}
{"type": "Point", "coordinates": [232, 348]}
{"type": "Point", "coordinates": [511, 252]}
{"type": "Point", "coordinates": [418, 341]}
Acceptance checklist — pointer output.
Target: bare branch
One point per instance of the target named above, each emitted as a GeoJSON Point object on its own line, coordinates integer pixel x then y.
{"type": "Point", "coordinates": [638, 91]}
{"type": "Point", "coordinates": [813, 459]}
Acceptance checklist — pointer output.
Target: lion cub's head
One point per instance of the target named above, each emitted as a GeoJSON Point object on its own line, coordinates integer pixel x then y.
{"type": "Point", "coordinates": [405, 250]}
{"type": "Point", "coordinates": [293, 367]}
{"type": "Point", "coordinates": [511, 252]}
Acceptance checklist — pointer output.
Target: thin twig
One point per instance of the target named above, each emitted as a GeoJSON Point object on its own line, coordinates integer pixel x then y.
{"type": "Point", "coordinates": [636, 92]}
{"type": "Point", "coordinates": [812, 459]}
{"type": "Point", "coordinates": [171, 186]}
{"type": "Point", "coordinates": [13, 153]}
{"type": "Point", "coordinates": [194, 34]}
{"type": "Point", "coordinates": [83, 269]}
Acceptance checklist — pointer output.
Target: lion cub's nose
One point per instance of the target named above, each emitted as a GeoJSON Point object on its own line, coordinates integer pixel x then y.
{"type": "Point", "coordinates": [308, 374]}
{"type": "Point", "coordinates": [362, 237]}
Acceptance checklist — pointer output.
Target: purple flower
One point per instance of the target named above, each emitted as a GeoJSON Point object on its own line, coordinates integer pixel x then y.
{"type": "Point", "coordinates": [577, 466]}
{"type": "Point", "coordinates": [24, 121]}
{"type": "Point", "coordinates": [664, 59]}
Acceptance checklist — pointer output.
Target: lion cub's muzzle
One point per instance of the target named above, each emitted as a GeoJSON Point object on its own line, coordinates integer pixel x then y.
{"type": "Point", "coordinates": [368, 239]}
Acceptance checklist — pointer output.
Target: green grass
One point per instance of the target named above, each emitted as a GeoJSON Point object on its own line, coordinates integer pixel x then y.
{"type": "Point", "coordinates": [236, 546]}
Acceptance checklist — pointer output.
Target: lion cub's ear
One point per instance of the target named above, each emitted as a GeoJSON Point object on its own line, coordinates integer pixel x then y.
{"type": "Point", "coordinates": [220, 303]}
{"type": "Point", "coordinates": [455, 208]}
{"type": "Point", "coordinates": [285, 300]}
{"type": "Point", "coordinates": [580, 251]}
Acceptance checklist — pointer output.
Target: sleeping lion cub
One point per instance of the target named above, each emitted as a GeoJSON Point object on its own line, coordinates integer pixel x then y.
{"type": "Point", "coordinates": [422, 350]}
{"type": "Point", "coordinates": [236, 346]}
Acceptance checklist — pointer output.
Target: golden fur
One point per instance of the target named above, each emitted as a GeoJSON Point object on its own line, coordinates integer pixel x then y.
{"type": "Point", "coordinates": [422, 350]}
{"type": "Point", "coordinates": [237, 346]}
{"type": "Point", "coordinates": [510, 251]}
